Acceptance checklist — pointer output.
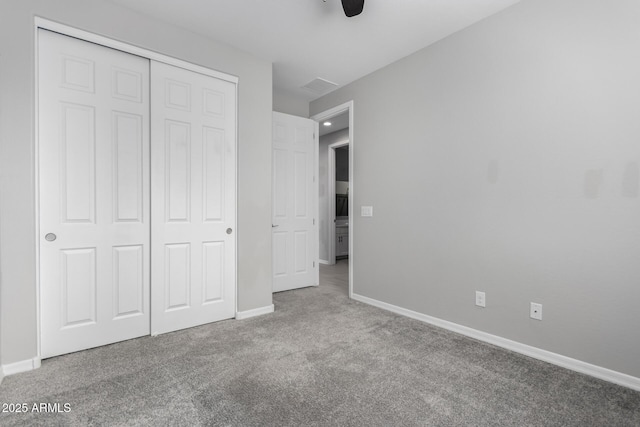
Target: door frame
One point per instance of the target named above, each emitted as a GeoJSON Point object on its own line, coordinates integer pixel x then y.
{"type": "Point", "coordinates": [324, 115]}
{"type": "Point", "coordinates": [331, 172]}
{"type": "Point", "coordinates": [46, 24]}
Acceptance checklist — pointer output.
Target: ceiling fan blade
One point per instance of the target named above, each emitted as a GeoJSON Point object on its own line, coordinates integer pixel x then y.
{"type": "Point", "coordinates": [352, 7]}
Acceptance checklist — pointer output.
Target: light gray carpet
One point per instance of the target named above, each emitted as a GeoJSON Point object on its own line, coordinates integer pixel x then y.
{"type": "Point", "coordinates": [319, 360]}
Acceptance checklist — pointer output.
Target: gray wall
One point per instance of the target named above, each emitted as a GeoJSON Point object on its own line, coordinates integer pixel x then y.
{"type": "Point", "coordinates": [17, 212]}
{"type": "Point", "coordinates": [516, 143]}
{"type": "Point", "coordinates": [323, 188]}
{"type": "Point", "coordinates": [287, 103]}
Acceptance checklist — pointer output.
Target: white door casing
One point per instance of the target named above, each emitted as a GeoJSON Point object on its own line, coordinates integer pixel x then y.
{"type": "Point", "coordinates": [331, 217]}
{"type": "Point", "coordinates": [193, 194]}
{"type": "Point", "coordinates": [294, 227]}
{"type": "Point", "coordinates": [93, 168]}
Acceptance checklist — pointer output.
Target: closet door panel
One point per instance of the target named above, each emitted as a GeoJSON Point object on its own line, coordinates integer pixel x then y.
{"type": "Point", "coordinates": [193, 192]}
{"type": "Point", "coordinates": [93, 166]}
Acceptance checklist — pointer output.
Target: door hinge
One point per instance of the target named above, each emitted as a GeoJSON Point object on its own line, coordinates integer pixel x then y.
{"type": "Point", "coordinates": [314, 221]}
{"type": "Point", "coordinates": [314, 264]}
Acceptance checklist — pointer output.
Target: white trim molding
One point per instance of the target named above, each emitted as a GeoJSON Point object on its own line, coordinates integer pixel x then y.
{"type": "Point", "coordinates": [50, 25]}
{"type": "Point", "coordinates": [534, 352]}
{"type": "Point", "coordinates": [332, 112]}
{"type": "Point", "coordinates": [240, 315]}
{"type": "Point", "coordinates": [22, 366]}
{"type": "Point", "coordinates": [331, 219]}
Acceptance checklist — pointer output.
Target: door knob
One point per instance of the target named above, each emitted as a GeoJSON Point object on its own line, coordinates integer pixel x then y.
{"type": "Point", "coordinates": [229, 231]}
{"type": "Point", "coordinates": [274, 226]}
{"type": "Point", "coordinates": [50, 237]}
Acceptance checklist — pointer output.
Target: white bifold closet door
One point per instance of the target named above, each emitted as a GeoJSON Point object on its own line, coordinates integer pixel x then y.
{"type": "Point", "coordinates": [193, 195]}
{"type": "Point", "coordinates": [137, 196]}
{"type": "Point", "coordinates": [93, 194]}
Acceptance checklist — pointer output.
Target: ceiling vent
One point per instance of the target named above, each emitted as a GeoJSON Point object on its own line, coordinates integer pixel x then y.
{"type": "Point", "coordinates": [319, 86]}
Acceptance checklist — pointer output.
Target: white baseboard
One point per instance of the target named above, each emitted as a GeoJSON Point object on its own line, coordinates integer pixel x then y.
{"type": "Point", "coordinates": [534, 352]}
{"type": "Point", "coordinates": [255, 312]}
{"type": "Point", "coordinates": [22, 366]}
{"type": "Point", "coordinates": [324, 261]}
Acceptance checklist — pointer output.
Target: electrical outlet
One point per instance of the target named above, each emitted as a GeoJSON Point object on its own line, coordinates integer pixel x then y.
{"type": "Point", "coordinates": [480, 299]}
{"type": "Point", "coordinates": [536, 311]}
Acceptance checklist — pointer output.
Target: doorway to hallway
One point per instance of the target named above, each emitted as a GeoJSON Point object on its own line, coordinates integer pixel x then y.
{"type": "Point", "coordinates": [322, 117]}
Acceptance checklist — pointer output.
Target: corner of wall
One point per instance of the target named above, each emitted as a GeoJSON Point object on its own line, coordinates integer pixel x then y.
{"type": "Point", "coordinates": [288, 103]}
{"type": "Point", "coordinates": [240, 315]}
{"type": "Point", "coordinates": [21, 366]}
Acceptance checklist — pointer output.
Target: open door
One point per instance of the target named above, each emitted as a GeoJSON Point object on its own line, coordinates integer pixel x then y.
{"type": "Point", "coordinates": [294, 227]}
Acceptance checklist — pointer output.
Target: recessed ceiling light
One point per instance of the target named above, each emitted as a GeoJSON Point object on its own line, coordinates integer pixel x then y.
{"type": "Point", "coordinates": [327, 123]}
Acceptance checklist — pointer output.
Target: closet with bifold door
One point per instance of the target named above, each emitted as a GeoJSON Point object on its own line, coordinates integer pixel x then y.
{"type": "Point", "coordinates": [136, 162]}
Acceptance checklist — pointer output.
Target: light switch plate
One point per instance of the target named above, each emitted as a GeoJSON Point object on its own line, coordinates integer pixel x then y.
{"type": "Point", "coordinates": [366, 210]}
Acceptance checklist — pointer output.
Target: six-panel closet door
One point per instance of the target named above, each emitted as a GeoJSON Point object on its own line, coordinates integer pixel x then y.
{"type": "Point", "coordinates": [93, 194]}
{"type": "Point", "coordinates": [193, 216]}
{"type": "Point", "coordinates": [136, 201]}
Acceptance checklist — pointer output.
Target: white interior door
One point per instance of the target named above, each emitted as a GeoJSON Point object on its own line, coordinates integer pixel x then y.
{"type": "Point", "coordinates": [295, 236]}
{"type": "Point", "coordinates": [93, 162]}
{"type": "Point", "coordinates": [193, 193]}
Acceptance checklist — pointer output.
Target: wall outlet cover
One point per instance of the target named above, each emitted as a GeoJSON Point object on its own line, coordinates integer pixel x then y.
{"type": "Point", "coordinates": [480, 299]}
{"type": "Point", "coordinates": [536, 311]}
{"type": "Point", "coordinates": [366, 210]}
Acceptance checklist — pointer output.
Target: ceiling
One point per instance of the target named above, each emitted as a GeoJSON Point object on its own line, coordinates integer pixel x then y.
{"type": "Point", "coordinates": [306, 39]}
{"type": "Point", "coordinates": [338, 122]}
